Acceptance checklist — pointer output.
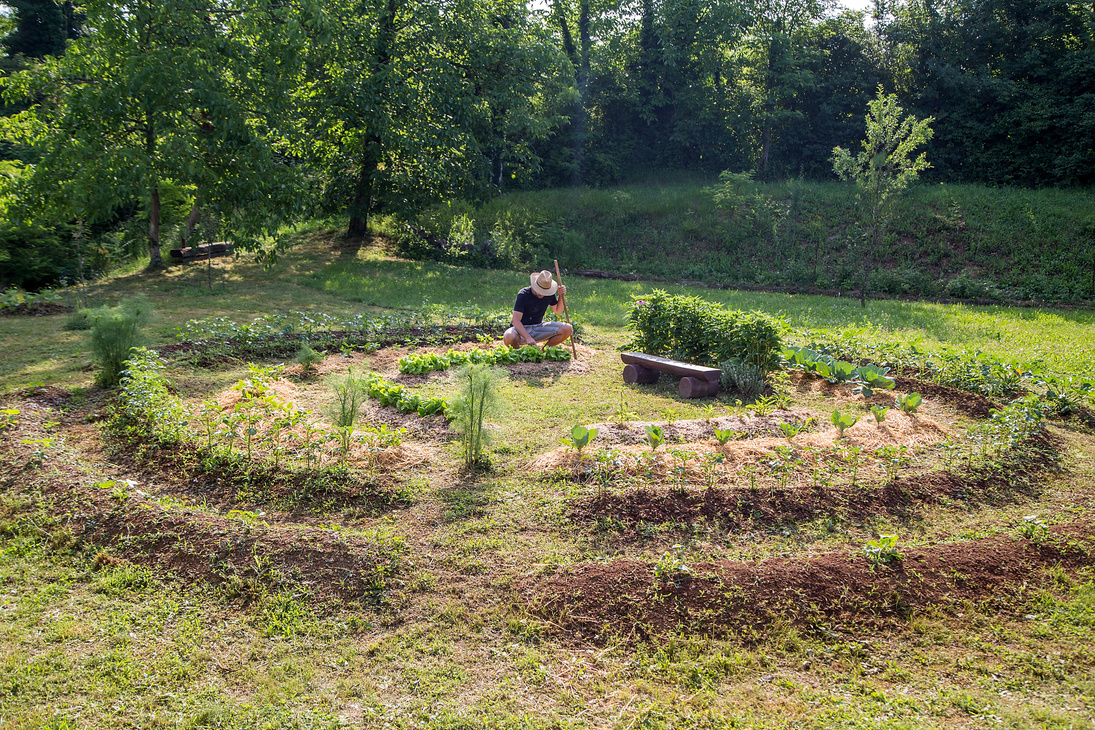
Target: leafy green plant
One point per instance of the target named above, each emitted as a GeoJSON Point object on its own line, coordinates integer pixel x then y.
{"type": "Point", "coordinates": [879, 413]}
{"type": "Point", "coordinates": [655, 437]}
{"type": "Point", "coordinates": [790, 430]}
{"type": "Point", "coordinates": [883, 550]}
{"type": "Point", "coordinates": [726, 434]}
{"type": "Point", "coordinates": [670, 567]}
{"type": "Point", "coordinates": [843, 421]}
{"type": "Point", "coordinates": [909, 402]}
{"type": "Point", "coordinates": [580, 436]}
{"type": "Point", "coordinates": [478, 399]}
{"type": "Point", "coordinates": [115, 331]}
{"type": "Point", "coordinates": [693, 330]}
{"type": "Point", "coordinates": [763, 405]}
{"type": "Point", "coordinates": [7, 418]}
{"type": "Point", "coordinates": [894, 457]}
{"type": "Point", "coordinates": [1033, 528]}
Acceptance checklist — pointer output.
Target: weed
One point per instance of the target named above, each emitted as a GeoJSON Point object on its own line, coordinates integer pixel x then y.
{"type": "Point", "coordinates": [670, 567]}
{"type": "Point", "coordinates": [308, 358]}
{"type": "Point", "coordinates": [349, 395]}
{"type": "Point", "coordinates": [115, 331]}
{"type": "Point", "coordinates": [883, 550]}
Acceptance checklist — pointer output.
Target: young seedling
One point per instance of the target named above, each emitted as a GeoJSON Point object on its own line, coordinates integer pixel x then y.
{"type": "Point", "coordinates": [879, 413]}
{"type": "Point", "coordinates": [843, 421]}
{"type": "Point", "coordinates": [655, 437]}
{"type": "Point", "coordinates": [708, 413]}
{"type": "Point", "coordinates": [909, 402]}
{"type": "Point", "coordinates": [670, 567]}
{"type": "Point", "coordinates": [790, 430]}
{"type": "Point", "coordinates": [725, 434]}
{"type": "Point", "coordinates": [882, 550]}
{"type": "Point", "coordinates": [623, 412]}
{"type": "Point", "coordinates": [670, 415]}
{"type": "Point", "coordinates": [580, 436]}
{"type": "Point", "coordinates": [308, 358]}
{"type": "Point", "coordinates": [7, 417]}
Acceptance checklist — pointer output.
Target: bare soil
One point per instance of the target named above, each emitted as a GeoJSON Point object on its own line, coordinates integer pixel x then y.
{"type": "Point", "coordinates": [829, 591]}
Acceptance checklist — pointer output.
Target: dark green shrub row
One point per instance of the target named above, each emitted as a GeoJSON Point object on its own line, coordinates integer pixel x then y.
{"type": "Point", "coordinates": [694, 330]}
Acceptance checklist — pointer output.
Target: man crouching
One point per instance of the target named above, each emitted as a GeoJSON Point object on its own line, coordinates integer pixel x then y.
{"type": "Point", "coordinates": [529, 327]}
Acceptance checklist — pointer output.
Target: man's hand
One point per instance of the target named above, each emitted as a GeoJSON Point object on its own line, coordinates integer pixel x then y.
{"type": "Point", "coordinates": [530, 341]}
{"type": "Point", "coordinates": [562, 289]}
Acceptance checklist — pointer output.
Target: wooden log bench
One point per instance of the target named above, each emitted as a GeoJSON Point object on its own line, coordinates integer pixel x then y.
{"type": "Point", "coordinates": [199, 253]}
{"type": "Point", "coordinates": [697, 381]}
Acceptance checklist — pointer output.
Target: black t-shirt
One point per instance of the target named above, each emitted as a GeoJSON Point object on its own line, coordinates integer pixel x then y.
{"type": "Point", "coordinates": [532, 307]}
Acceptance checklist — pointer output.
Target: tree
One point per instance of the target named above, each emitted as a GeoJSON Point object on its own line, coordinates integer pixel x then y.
{"type": "Point", "coordinates": [42, 28]}
{"type": "Point", "coordinates": [172, 92]}
{"type": "Point", "coordinates": [406, 101]}
{"type": "Point", "coordinates": [882, 170]}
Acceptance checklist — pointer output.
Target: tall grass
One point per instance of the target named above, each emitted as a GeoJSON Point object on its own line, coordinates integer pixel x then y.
{"type": "Point", "coordinates": [961, 241]}
{"type": "Point", "coordinates": [115, 331]}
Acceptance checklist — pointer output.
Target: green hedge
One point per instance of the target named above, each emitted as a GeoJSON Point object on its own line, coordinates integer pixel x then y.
{"type": "Point", "coordinates": [694, 330]}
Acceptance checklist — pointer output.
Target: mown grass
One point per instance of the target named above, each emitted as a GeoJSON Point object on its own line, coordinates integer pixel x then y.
{"type": "Point", "coordinates": [84, 643]}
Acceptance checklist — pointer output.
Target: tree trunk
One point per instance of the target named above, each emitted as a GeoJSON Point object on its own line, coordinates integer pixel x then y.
{"type": "Point", "coordinates": [364, 195]}
{"type": "Point", "coordinates": [154, 260]}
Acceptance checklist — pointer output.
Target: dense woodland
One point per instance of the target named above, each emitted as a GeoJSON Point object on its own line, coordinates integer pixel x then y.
{"type": "Point", "coordinates": [134, 126]}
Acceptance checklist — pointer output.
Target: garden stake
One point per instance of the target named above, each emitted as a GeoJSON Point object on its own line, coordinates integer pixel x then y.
{"type": "Point", "coordinates": [558, 278]}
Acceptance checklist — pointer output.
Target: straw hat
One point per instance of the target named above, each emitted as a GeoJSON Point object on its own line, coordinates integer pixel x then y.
{"type": "Point", "coordinates": [542, 283]}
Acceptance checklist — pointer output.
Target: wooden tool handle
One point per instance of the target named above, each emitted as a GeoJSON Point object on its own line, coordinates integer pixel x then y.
{"type": "Point", "coordinates": [566, 312]}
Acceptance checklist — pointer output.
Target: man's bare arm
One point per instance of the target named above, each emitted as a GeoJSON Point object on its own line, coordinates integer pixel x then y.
{"type": "Point", "coordinates": [559, 306]}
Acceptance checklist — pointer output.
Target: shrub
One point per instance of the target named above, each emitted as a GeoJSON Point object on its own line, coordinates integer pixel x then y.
{"type": "Point", "coordinates": [114, 332]}
{"type": "Point", "coordinates": [747, 379]}
{"type": "Point", "coordinates": [478, 398]}
{"type": "Point", "coordinates": [694, 330]}
{"type": "Point", "coordinates": [308, 358]}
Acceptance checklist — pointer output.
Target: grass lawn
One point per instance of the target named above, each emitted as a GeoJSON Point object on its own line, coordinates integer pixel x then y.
{"type": "Point", "coordinates": [103, 625]}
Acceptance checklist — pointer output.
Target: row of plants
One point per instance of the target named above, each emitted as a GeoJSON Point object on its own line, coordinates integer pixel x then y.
{"type": "Point", "coordinates": [261, 444]}
{"type": "Point", "coordinates": [420, 364]}
{"type": "Point", "coordinates": [866, 378]}
{"type": "Point", "coordinates": [397, 396]}
{"type": "Point", "coordinates": [693, 330]}
{"type": "Point", "coordinates": [973, 372]}
{"type": "Point", "coordinates": [282, 334]}
{"type": "Point", "coordinates": [1011, 440]}
{"type": "Point", "coordinates": [15, 299]}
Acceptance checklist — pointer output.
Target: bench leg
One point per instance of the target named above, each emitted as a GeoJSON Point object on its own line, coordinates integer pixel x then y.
{"type": "Point", "coordinates": [696, 388]}
{"type": "Point", "coordinates": [638, 374]}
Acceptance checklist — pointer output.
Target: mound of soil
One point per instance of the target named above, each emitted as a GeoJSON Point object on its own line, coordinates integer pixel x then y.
{"type": "Point", "coordinates": [624, 598]}
{"type": "Point", "coordinates": [738, 506]}
{"type": "Point", "coordinates": [41, 309]}
{"type": "Point", "coordinates": [971, 404]}
{"type": "Point", "coordinates": [197, 545]}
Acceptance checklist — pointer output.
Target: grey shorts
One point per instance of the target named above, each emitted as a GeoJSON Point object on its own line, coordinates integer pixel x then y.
{"type": "Point", "coordinates": [540, 332]}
